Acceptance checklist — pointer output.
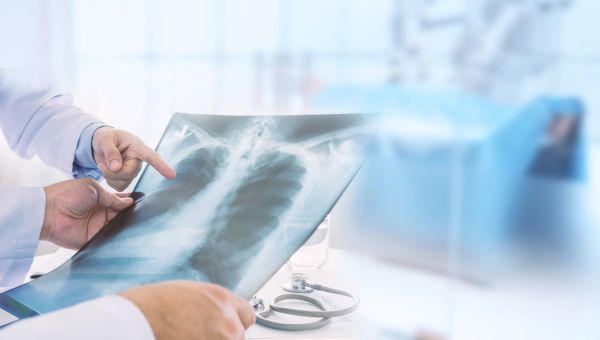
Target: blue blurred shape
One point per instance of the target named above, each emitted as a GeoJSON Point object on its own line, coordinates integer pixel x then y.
{"type": "Point", "coordinates": [562, 156]}
{"type": "Point", "coordinates": [443, 158]}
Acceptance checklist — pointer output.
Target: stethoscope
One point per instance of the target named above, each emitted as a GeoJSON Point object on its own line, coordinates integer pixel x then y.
{"type": "Point", "coordinates": [298, 289]}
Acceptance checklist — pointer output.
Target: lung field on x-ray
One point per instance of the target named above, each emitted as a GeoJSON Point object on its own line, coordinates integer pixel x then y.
{"type": "Point", "coordinates": [248, 213]}
{"type": "Point", "coordinates": [195, 171]}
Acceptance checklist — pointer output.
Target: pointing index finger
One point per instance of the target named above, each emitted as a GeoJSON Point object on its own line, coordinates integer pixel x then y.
{"type": "Point", "coordinates": [153, 159]}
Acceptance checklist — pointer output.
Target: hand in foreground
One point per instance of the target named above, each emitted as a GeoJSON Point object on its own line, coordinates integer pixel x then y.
{"type": "Point", "coordinates": [119, 156]}
{"type": "Point", "coordinates": [192, 310]}
{"type": "Point", "coordinates": [77, 209]}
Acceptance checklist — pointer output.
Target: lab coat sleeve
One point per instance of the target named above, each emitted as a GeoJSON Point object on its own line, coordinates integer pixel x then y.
{"type": "Point", "coordinates": [21, 218]}
{"type": "Point", "coordinates": [41, 122]}
{"type": "Point", "coordinates": [110, 317]}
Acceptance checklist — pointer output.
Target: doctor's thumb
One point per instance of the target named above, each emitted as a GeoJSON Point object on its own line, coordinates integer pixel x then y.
{"type": "Point", "coordinates": [109, 200]}
{"type": "Point", "coordinates": [112, 157]}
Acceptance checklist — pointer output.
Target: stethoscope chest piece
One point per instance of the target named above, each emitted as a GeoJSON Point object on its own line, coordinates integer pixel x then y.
{"type": "Point", "coordinates": [297, 284]}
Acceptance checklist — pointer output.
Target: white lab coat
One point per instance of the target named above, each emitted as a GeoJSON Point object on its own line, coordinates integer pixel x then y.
{"type": "Point", "coordinates": [46, 124]}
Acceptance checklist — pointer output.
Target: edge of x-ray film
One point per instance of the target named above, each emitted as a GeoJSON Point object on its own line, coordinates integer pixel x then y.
{"type": "Point", "coordinates": [250, 190]}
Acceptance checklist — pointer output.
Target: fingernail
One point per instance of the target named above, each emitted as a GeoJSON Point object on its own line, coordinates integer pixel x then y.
{"type": "Point", "coordinates": [114, 164]}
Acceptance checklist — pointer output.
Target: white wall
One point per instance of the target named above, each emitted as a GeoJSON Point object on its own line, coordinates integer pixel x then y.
{"type": "Point", "coordinates": [578, 71]}
{"type": "Point", "coordinates": [133, 63]}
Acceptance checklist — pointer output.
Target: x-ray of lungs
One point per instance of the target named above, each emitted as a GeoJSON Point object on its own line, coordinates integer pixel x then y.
{"type": "Point", "coordinates": [249, 191]}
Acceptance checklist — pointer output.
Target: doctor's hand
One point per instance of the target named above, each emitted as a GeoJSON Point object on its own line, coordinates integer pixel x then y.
{"type": "Point", "coordinates": [119, 156]}
{"type": "Point", "coordinates": [192, 310]}
{"type": "Point", "coordinates": [77, 209]}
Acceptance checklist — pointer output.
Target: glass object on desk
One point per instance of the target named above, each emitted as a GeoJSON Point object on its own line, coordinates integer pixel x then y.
{"type": "Point", "coordinates": [313, 254]}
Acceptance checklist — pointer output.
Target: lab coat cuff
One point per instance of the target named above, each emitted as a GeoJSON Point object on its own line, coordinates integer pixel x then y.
{"type": "Point", "coordinates": [20, 228]}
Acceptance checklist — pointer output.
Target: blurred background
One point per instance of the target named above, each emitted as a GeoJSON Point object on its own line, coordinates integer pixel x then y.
{"type": "Point", "coordinates": [482, 186]}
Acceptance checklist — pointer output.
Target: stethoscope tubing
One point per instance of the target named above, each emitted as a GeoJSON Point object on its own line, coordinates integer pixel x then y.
{"type": "Point", "coordinates": [261, 318]}
{"type": "Point", "coordinates": [312, 313]}
{"type": "Point", "coordinates": [323, 313]}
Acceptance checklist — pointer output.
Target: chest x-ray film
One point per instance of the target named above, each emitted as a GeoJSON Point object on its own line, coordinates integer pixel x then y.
{"type": "Point", "coordinates": [249, 191]}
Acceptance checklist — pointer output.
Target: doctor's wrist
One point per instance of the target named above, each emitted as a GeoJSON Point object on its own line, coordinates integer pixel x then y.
{"type": "Point", "coordinates": [84, 153]}
{"type": "Point", "coordinates": [45, 233]}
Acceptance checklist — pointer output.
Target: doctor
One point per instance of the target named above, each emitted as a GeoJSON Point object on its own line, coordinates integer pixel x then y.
{"type": "Point", "coordinates": [47, 124]}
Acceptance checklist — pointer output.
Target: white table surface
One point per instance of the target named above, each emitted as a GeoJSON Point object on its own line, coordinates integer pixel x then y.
{"type": "Point", "coordinates": [398, 302]}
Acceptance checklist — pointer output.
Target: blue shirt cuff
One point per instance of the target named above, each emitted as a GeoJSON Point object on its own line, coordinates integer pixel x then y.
{"type": "Point", "coordinates": [84, 164]}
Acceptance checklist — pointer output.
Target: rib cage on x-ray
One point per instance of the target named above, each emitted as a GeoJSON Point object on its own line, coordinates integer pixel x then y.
{"type": "Point", "coordinates": [249, 191]}
{"type": "Point", "coordinates": [250, 209]}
